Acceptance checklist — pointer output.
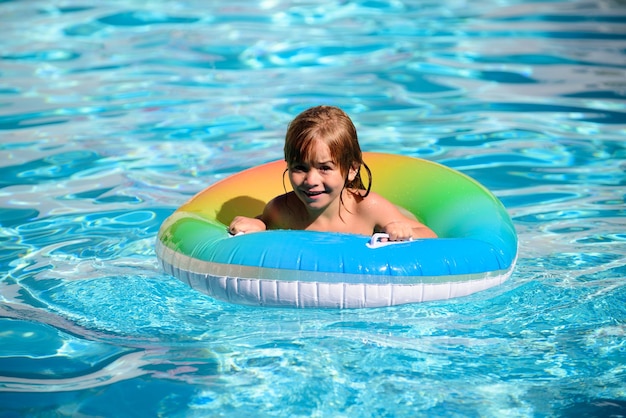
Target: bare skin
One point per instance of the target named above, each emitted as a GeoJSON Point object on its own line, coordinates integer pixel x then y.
{"type": "Point", "coordinates": [320, 202]}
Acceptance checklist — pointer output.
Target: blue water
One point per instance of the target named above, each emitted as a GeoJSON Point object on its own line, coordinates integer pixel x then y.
{"type": "Point", "coordinates": [112, 114]}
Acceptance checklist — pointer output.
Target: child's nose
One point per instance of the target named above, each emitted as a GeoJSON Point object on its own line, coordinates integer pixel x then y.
{"type": "Point", "coordinates": [311, 177]}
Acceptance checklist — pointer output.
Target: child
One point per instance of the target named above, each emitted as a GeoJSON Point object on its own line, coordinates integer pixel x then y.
{"type": "Point", "coordinates": [324, 165]}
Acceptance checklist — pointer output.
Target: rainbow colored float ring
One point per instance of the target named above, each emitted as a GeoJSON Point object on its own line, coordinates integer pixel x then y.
{"type": "Point", "coordinates": [477, 248]}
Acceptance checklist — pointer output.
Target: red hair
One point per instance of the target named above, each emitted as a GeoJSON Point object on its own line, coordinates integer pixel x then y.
{"type": "Point", "coordinates": [333, 127]}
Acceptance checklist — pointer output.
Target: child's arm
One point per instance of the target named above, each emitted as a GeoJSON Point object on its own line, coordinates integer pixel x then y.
{"type": "Point", "coordinates": [390, 220]}
{"type": "Point", "coordinates": [267, 220]}
{"type": "Point", "coordinates": [403, 230]}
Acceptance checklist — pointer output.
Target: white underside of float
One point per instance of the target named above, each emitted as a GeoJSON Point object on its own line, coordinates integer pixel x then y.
{"type": "Point", "coordinates": [312, 294]}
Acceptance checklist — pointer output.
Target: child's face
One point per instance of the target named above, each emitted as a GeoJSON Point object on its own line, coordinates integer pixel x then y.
{"type": "Point", "coordinates": [318, 183]}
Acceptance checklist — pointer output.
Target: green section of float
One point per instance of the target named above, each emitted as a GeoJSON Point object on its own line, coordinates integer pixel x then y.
{"type": "Point", "coordinates": [451, 203]}
{"type": "Point", "coordinates": [191, 235]}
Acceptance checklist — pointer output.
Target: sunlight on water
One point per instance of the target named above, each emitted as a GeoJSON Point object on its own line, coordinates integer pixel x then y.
{"type": "Point", "coordinates": [112, 115]}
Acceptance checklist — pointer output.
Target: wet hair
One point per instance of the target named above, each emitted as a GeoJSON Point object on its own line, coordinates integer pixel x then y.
{"type": "Point", "coordinates": [333, 127]}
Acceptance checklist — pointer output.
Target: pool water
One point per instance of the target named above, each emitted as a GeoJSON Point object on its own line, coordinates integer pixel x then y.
{"type": "Point", "coordinates": [113, 115]}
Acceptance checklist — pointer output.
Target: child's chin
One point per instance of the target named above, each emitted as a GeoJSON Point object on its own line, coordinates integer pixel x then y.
{"type": "Point", "coordinates": [314, 203]}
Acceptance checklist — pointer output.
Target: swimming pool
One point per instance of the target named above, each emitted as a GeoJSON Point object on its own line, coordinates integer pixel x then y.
{"type": "Point", "coordinates": [112, 116]}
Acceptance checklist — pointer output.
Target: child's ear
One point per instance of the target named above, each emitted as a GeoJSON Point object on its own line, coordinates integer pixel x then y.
{"type": "Point", "coordinates": [353, 172]}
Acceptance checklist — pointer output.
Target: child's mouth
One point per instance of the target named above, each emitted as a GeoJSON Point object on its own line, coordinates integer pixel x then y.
{"type": "Point", "coordinates": [312, 194]}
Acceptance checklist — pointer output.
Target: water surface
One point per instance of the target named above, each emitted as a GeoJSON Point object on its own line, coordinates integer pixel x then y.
{"type": "Point", "coordinates": [112, 115]}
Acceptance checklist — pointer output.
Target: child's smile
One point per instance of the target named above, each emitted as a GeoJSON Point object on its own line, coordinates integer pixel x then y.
{"type": "Point", "coordinates": [312, 194]}
{"type": "Point", "coordinates": [318, 183]}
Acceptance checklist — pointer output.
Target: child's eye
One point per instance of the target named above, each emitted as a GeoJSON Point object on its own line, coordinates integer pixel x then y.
{"type": "Point", "coordinates": [326, 168]}
{"type": "Point", "coordinates": [298, 167]}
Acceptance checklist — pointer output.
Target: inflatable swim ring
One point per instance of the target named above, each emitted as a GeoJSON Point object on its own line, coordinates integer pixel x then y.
{"type": "Point", "coordinates": [477, 248]}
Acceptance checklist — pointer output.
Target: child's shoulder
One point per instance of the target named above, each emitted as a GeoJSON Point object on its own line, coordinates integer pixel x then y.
{"type": "Point", "coordinates": [279, 211]}
{"type": "Point", "coordinates": [377, 206]}
{"type": "Point", "coordinates": [281, 200]}
{"type": "Point", "coordinates": [372, 198]}
{"type": "Point", "coordinates": [373, 203]}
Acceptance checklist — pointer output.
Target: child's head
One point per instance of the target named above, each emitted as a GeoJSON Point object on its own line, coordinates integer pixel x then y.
{"type": "Point", "coordinates": [332, 126]}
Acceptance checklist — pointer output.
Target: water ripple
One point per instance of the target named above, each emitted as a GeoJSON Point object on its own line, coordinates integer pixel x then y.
{"type": "Point", "coordinates": [112, 115]}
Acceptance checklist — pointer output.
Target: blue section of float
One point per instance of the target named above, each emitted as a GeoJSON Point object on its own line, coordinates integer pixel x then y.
{"type": "Point", "coordinates": [346, 253]}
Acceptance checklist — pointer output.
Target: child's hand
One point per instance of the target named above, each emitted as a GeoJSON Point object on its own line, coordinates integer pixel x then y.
{"type": "Point", "coordinates": [243, 224]}
{"type": "Point", "coordinates": [398, 231]}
